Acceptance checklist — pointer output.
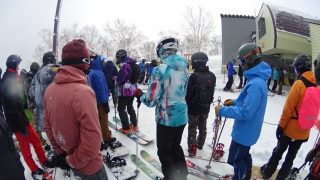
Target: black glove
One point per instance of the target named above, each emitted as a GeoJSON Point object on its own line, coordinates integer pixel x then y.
{"type": "Point", "coordinates": [106, 107]}
{"type": "Point", "coordinates": [58, 161]}
{"type": "Point", "coordinates": [279, 132]}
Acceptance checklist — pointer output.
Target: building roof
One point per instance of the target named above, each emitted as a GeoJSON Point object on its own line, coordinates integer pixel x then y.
{"type": "Point", "coordinates": [236, 16]}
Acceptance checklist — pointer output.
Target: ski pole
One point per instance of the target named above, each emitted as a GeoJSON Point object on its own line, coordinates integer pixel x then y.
{"type": "Point", "coordinates": [137, 171]}
{"type": "Point", "coordinates": [115, 115]}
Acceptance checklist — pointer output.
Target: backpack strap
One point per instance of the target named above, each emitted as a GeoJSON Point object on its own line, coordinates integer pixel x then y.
{"type": "Point", "coordinates": [307, 84]}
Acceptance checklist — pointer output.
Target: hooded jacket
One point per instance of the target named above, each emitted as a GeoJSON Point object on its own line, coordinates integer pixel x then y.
{"type": "Point", "coordinates": [249, 108]}
{"type": "Point", "coordinates": [289, 120]}
{"type": "Point", "coordinates": [167, 90]}
{"type": "Point", "coordinates": [71, 120]}
{"type": "Point", "coordinates": [124, 74]}
{"type": "Point", "coordinates": [98, 81]}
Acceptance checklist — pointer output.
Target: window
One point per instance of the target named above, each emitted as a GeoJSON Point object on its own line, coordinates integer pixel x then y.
{"type": "Point", "coordinates": [262, 27]}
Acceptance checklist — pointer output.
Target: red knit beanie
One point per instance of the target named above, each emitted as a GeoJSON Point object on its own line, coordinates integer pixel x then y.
{"type": "Point", "coordinates": [73, 52]}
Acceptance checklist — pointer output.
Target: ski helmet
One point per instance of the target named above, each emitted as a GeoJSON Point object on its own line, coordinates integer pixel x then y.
{"type": "Point", "coordinates": [199, 59]}
{"type": "Point", "coordinates": [249, 54]}
{"type": "Point", "coordinates": [301, 64]}
{"type": "Point", "coordinates": [48, 58]}
{"type": "Point", "coordinates": [13, 60]}
{"type": "Point", "coordinates": [167, 43]}
{"type": "Point", "coordinates": [34, 67]}
{"type": "Point", "coordinates": [120, 55]}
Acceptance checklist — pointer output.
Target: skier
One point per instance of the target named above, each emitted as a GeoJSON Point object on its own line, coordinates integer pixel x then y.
{"type": "Point", "coordinates": [248, 110]}
{"type": "Point", "coordinates": [281, 80]}
{"type": "Point", "coordinates": [126, 90]}
{"type": "Point", "coordinates": [42, 79]}
{"type": "Point", "coordinates": [199, 97]}
{"type": "Point", "coordinates": [13, 99]}
{"type": "Point", "coordinates": [231, 72]}
{"type": "Point", "coordinates": [275, 77]}
{"type": "Point", "coordinates": [10, 164]}
{"type": "Point", "coordinates": [111, 72]}
{"type": "Point", "coordinates": [71, 115]}
{"type": "Point", "coordinates": [166, 91]}
{"type": "Point", "coordinates": [240, 74]}
{"type": "Point", "coordinates": [289, 134]}
{"type": "Point", "coordinates": [99, 86]}
{"type": "Point", "coordinates": [142, 67]}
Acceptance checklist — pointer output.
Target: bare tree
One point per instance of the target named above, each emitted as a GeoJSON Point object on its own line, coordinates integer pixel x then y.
{"type": "Point", "coordinates": [124, 36]}
{"type": "Point", "coordinates": [46, 44]}
{"type": "Point", "coordinates": [148, 50]}
{"type": "Point", "coordinates": [198, 30]}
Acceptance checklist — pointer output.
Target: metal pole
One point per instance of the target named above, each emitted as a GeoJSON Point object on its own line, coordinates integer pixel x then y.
{"type": "Point", "coordinates": [56, 28]}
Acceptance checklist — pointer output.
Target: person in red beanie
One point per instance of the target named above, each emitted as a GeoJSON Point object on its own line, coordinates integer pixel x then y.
{"type": "Point", "coordinates": [14, 102]}
{"type": "Point", "coordinates": [71, 116]}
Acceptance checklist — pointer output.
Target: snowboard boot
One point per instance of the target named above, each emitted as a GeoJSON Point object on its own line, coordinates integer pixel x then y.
{"type": "Point", "coordinates": [192, 150]}
{"type": "Point", "coordinates": [103, 146]}
{"type": "Point", "coordinates": [247, 175]}
{"type": "Point", "coordinates": [38, 174]}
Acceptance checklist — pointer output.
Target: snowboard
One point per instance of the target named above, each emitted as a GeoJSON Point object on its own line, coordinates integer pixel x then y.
{"type": "Point", "coordinates": [131, 135]}
{"type": "Point", "coordinates": [139, 133]}
{"type": "Point", "coordinates": [121, 172]}
{"type": "Point", "coordinates": [137, 161]}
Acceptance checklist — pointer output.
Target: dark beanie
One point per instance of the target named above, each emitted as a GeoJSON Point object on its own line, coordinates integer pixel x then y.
{"type": "Point", "coordinates": [73, 52]}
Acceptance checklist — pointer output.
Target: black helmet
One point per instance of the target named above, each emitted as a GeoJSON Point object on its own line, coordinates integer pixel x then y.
{"type": "Point", "coordinates": [120, 55]}
{"type": "Point", "coordinates": [199, 59]}
{"type": "Point", "coordinates": [301, 64]}
{"type": "Point", "coordinates": [34, 67]}
{"type": "Point", "coordinates": [48, 58]}
{"type": "Point", "coordinates": [13, 60]}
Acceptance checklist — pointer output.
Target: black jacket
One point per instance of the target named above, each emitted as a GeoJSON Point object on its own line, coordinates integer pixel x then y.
{"type": "Point", "coordinates": [13, 101]}
{"type": "Point", "coordinates": [194, 108]}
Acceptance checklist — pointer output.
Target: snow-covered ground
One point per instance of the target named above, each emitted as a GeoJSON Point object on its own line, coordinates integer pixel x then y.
{"type": "Point", "coordinates": [261, 151]}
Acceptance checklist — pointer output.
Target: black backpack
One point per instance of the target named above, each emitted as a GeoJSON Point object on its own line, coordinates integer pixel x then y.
{"type": "Point", "coordinates": [203, 90]}
{"type": "Point", "coordinates": [135, 73]}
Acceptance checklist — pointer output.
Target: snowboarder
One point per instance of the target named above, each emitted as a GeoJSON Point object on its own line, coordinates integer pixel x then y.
{"type": "Point", "coordinates": [142, 66]}
{"type": "Point", "coordinates": [14, 103]}
{"type": "Point", "coordinates": [126, 92]}
{"type": "Point", "coordinates": [99, 86]}
{"type": "Point", "coordinates": [71, 115]}
{"type": "Point", "coordinates": [199, 97]}
{"type": "Point", "coordinates": [41, 80]}
{"type": "Point", "coordinates": [247, 110]}
{"type": "Point", "coordinates": [10, 164]}
{"type": "Point", "coordinates": [111, 72]}
{"type": "Point", "coordinates": [231, 72]}
{"type": "Point", "coordinates": [166, 91]}
{"type": "Point", "coordinates": [289, 134]}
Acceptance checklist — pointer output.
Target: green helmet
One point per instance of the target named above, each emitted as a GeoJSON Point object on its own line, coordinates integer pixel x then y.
{"type": "Point", "coordinates": [247, 50]}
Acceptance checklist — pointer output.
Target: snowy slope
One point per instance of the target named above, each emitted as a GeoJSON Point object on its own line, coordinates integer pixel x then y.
{"type": "Point", "coordinates": [261, 151]}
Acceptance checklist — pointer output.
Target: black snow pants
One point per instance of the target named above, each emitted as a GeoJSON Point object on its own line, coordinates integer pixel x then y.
{"type": "Point", "coordinates": [123, 104]}
{"type": "Point", "coordinates": [197, 122]}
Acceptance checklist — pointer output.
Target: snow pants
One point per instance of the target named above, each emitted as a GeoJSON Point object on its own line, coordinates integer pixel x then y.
{"type": "Point", "coordinates": [101, 174]}
{"type": "Point", "coordinates": [240, 158]}
{"type": "Point", "coordinates": [24, 142]}
{"type": "Point", "coordinates": [173, 163]}
{"type": "Point", "coordinates": [123, 104]}
{"type": "Point", "coordinates": [229, 83]}
{"type": "Point", "coordinates": [197, 122]}
{"type": "Point", "coordinates": [103, 118]}
{"type": "Point", "coordinates": [283, 144]}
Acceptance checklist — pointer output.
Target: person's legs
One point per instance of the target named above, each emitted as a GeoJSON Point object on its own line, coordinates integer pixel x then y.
{"type": "Point", "coordinates": [202, 126]}
{"type": "Point", "coordinates": [240, 83]}
{"type": "Point", "coordinates": [178, 155]}
{"type": "Point", "coordinates": [101, 174]}
{"type": "Point", "coordinates": [192, 129]}
{"type": "Point", "coordinates": [122, 102]}
{"type": "Point", "coordinates": [36, 143]}
{"type": "Point", "coordinates": [274, 87]}
{"type": "Point", "coordinates": [131, 111]}
{"type": "Point", "coordinates": [103, 118]}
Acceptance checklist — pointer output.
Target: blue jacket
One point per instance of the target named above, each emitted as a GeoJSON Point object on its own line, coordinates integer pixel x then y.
{"type": "Point", "coordinates": [275, 74]}
{"type": "Point", "coordinates": [167, 90]}
{"type": "Point", "coordinates": [98, 81]}
{"type": "Point", "coordinates": [142, 67]}
{"type": "Point", "coordinates": [249, 108]}
{"type": "Point", "coordinates": [230, 69]}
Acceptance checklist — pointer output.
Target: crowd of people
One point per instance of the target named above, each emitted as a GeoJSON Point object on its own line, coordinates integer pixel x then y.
{"type": "Point", "coordinates": [69, 102]}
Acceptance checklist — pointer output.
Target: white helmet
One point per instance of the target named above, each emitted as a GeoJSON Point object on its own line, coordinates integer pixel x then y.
{"type": "Point", "coordinates": [167, 43]}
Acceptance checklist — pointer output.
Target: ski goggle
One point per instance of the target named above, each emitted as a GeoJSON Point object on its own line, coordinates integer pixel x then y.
{"type": "Point", "coordinates": [86, 60]}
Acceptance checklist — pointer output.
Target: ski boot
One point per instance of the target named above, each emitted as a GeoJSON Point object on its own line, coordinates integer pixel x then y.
{"type": "Point", "coordinates": [219, 151]}
{"type": "Point", "coordinates": [192, 150]}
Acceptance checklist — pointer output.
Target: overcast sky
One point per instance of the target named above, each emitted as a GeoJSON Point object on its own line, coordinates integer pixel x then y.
{"type": "Point", "coordinates": [22, 20]}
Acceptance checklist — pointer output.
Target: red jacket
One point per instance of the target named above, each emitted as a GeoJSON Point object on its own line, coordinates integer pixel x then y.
{"type": "Point", "coordinates": [71, 120]}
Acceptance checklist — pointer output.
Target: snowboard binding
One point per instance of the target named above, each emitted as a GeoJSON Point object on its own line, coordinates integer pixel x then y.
{"type": "Point", "coordinates": [115, 145]}
{"type": "Point", "coordinates": [114, 162]}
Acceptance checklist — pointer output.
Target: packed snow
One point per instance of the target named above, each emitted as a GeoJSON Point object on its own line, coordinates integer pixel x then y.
{"type": "Point", "coordinates": [260, 152]}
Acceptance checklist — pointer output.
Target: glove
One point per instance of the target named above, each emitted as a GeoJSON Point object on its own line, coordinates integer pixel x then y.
{"type": "Point", "coordinates": [279, 132]}
{"type": "Point", "coordinates": [24, 132]}
{"type": "Point", "coordinates": [138, 93]}
{"type": "Point", "coordinates": [228, 102]}
{"type": "Point", "coordinates": [217, 109]}
{"type": "Point", "coordinates": [58, 161]}
{"type": "Point", "coordinates": [106, 107]}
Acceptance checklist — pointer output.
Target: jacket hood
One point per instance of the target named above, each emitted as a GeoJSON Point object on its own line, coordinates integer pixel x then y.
{"type": "Point", "coordinates": [109, 64]}
{"type": "Point", "coordinates": [97, 63]}
{"type": "Point", "coordinates": [262, 70]}
{"type": "Point", "coordinates": [129, 60]}
{"type": "Point", "coordinates": [176, 62]}
{"type": "Point", "coordinates": [69, 74]}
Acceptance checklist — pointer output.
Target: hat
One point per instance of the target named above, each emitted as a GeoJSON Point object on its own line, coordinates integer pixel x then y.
{"type": "Point", "coordinates": [48, 57]}
{"type": "Point", "coordinates": [12, 61]}
{"type": "Point", "coordinates": [74, 52]}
